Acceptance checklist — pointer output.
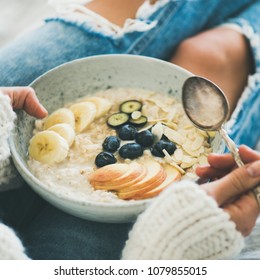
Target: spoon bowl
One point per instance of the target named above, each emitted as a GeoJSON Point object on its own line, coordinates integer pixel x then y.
{"type": "Point", "coordinates": [204, 103]}
{"type": "Point", "coordinates": [207, 107]}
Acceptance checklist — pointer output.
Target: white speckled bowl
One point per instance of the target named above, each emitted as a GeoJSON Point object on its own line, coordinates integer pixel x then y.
{"type": "Point", "coordinates": [71, 81]}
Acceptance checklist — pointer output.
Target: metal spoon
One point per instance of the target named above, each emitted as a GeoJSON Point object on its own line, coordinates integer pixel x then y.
{"type": "Point", "coordinates": [207, 107]}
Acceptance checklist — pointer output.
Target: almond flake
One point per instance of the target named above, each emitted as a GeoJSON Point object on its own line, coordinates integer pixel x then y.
{"type": "Point", "coordinates": [187, 148]}
{"type": "Point", "coordinates": [197, 143]}
{"type": "Point", "coordinates": [185, 165]}
{"type": "Point", "coordinates": [169, 159]}
{"type": "Point", "coordinates": [178, 154]}
{"type": "Point", "coordinates": [171, 125]}
{"type": "Point", "coordinates": [203, 160]}
{"type": "Point", "coordinates": [136, 115]}
{"type": "Point", "coordinates": [157, 131]}
{"type": "Point", "coordinates": [173, 136]}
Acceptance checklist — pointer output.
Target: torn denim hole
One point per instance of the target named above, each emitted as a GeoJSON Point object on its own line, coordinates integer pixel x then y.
{"type": "Point", "coordinates": [244, 27]}
{"type": "Point", "coordinates": [75, 12]}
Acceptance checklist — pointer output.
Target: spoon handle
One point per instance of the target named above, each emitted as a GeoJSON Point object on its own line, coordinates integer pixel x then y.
{"type": "Point", "coordinates": [232, 147]}
{"type": "Point", "coordinates": [234, 150]}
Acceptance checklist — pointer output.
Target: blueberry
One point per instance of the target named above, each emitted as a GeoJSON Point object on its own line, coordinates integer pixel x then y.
{"type": "Point", "coordinates": [157, 149]}
{"type": "Point", "coordinates": [144, 138]}
{"type": "Point", "coordinates": [104, 158]}
{"type": "Point", "coordinates": [111, 144]}
{"type": "Point", "coordinates": [131, 151]}
{"type": "Point", "coordinates": [127, 132]}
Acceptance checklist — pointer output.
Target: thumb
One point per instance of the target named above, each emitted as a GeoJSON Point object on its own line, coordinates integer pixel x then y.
{"type": "Point", "coordinates": [236, 183]}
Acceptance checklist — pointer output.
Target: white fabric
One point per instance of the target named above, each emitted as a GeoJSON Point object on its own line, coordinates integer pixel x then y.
{"type": "Point", "coordinates": [183, 223]}
{"type": "Point", "coordinates": [11, 247]}
{"type": "Point", "coordinates": [7, 117]}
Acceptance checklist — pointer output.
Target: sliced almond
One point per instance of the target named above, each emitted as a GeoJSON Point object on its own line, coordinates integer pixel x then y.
{"type": "Point", "coordinates": [174, 136]}
{"type": "Point", "coordinates": [178, 154]}
{"type": "Point", "coordinates": [170, 160]}
{"type": "Point", "coordinates": [187, 148]}
{"type": "Point", "coordinates": [197, 143]}
{"type": "Point", "coordinates": [185, 165]}
{"type": "Point", "coordinates": [203, 160]}
{"type": "Point", "coordinates": [157, 131]}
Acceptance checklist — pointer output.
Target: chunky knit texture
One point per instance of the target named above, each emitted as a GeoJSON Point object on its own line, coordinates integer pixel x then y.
{"type": "Point", "coordinates": [7, 117]}
{"type": "Point", "coordinates": [183, 223]}
{"type": "Point", "coordinates": [10, 245]}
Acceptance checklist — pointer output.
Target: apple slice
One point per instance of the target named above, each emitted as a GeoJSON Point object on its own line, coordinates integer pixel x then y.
{"type": "Point", "coordinates": [108, 173]}
{"type": "Point", "coordinates": [124, 181]}
{"type": "Point", "coordinates": [155, 176]}
{"type": "Point", "coordinates": [134, 170]}
{"type": "Point", "coordinates": [172, 175]}
{"type": "Point", "coordinates": [154, 171]}
{"type": "Point", "coordinates": [144, 188]}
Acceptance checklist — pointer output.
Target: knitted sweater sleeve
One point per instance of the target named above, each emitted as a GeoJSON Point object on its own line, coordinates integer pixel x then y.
{"type": "Point", "coordinates": [7, 117]}
{"type": "Point", "coordinates": [183, 223]}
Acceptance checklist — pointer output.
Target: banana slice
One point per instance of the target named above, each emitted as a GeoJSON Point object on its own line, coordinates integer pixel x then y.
{"type": "Point", "coordinates": [64, 130]}
{"type": "Point", "coordinates": [103, 105]}
{"type": "Point", "coordinates": [48, 147]}
{"type": "Point", "coordinates": [62, 115]}
{"type": "Point", "coordinates": [84, 113]}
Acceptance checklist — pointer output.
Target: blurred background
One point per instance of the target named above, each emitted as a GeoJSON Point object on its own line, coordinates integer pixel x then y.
{"type": "Point", "coordinates": [19, 16]}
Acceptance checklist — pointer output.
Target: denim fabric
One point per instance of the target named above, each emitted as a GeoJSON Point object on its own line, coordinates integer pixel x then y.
{"type": "Point", "coordinates": [52, 234]}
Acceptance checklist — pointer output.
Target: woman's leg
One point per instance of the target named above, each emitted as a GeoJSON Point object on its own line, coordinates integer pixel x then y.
{"type": "Point", "coordinates": [221, 55]}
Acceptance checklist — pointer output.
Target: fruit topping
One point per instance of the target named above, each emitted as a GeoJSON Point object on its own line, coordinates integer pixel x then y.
{"type": "Point", "coordinates": [130, 106]}
{"type": "Point", "coordinates": [139, 122]}
{"type": "Point", "coordinates": [111, 144]}
{"type": "Point", "coordinates": [144, 138]}
{"type": "Point", "coordinates": [117, 119]}
{"type": "Point", "coordinates": [48, 147]}
{"type": "Point", "coordinates": [84, 113]}
{"type": "Point", "coordinates": [127, 132]}
{"type": "Point", "coordinates": [157, 149]}
{"type": "Point", "coordinates": [131, 151]}
{"type": "Point", "coordinates": [62, 115]}
{"type": "Point", "coordinates": [104, 158]}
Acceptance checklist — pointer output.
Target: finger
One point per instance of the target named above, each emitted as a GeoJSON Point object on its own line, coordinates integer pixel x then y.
{"type": "Point", "coordinates": [209, 172]}
{"type": "Point", "coordinates": [236, 183]}
{"type": "Point", "coordinates": [244, 212]}
{"type": "Point", "coordinates": [226, 161]}
{"type": "Point", "coordinates": [248, 155]}
{"type": "Point", "coordinates": [221, 161]}
{"type": "Point", "coordinates": [25, 98]}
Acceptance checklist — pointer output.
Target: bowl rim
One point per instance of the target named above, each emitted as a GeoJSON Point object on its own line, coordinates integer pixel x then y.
{"type": "Point", "coordinates": [28, 175]}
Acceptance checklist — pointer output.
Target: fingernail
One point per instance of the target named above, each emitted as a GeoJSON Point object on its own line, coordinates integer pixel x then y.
{"type": "Point", "coordinates": [254, 169]}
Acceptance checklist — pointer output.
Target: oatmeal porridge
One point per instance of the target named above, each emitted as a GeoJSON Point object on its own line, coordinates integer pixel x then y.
{"type": "Point", "coordinates": [117, 145]}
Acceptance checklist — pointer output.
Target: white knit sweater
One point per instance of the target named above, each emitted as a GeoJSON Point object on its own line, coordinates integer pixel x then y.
{"type": "Point", "coordinates": [10, 246]}
{"type": "Point", "coordinates": [182, 223]}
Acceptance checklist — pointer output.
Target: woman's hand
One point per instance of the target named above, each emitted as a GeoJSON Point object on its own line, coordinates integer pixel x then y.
{"type": "Point", "coordinates": [26, 99]}
{"type": "Point", "coordinates": [231, 186]}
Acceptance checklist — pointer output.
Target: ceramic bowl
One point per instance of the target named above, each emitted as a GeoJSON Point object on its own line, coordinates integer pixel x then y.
{"type": "Point", "coordinates": [72, 80]}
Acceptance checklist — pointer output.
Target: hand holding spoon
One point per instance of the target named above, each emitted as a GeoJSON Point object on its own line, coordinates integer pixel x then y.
{"type": "Point", "coordinates": [207, 107]}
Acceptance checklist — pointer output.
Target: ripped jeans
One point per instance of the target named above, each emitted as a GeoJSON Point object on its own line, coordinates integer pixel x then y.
{"type": "Point", "coordinates": [155, 34]}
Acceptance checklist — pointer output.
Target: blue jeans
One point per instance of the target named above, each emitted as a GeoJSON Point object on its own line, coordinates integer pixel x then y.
{"type": "Point", "coordinates": [51, 234]}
